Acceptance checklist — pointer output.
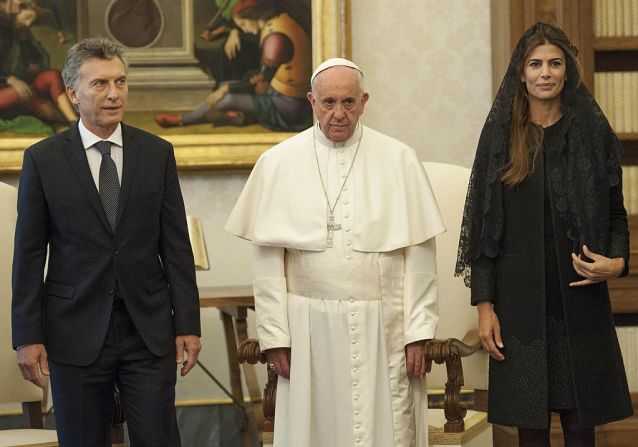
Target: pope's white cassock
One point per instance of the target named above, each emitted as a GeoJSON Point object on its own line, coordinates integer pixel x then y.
{"type": "Point", "coordinates": [346, 310]}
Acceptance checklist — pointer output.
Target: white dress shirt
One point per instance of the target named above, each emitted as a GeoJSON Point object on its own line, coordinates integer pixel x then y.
{"type": "Point", "coordinates": [94, 156]}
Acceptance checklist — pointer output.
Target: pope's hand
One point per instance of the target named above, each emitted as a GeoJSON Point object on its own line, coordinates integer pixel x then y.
{"type": "Point", "coordinates": [415, 361]}
{"type": "Point", "coordinates": [279, 361]}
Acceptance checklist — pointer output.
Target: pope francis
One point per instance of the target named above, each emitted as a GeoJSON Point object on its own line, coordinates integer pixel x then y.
{"type": "Point", "coordinates": [342, 220]}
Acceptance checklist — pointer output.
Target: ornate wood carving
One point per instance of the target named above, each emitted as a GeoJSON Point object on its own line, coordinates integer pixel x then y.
{"type": "Point", "coordinates": [450, 351]}
{"type": "Point", "coordinates": [249, 352]}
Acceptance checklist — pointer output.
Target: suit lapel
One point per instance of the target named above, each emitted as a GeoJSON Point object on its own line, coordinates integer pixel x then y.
{"type": "Point", "coordinates": [76, 155]}
{"type": "Point", "coordinates": [131, 155]}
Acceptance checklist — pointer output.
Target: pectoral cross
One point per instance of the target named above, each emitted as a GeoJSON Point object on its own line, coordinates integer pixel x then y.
{"type": "Point", "coordinates": [332, 226]}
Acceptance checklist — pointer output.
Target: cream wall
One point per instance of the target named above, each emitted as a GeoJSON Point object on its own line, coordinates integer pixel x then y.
{"type": "Point", "coordinates": [430, 86]}
{"type": "Point", "coordinates": [427, 65]}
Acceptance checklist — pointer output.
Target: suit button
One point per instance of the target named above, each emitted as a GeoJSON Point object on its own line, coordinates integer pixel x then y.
{"type": "Point", "coordinates": [116, 252]}
{"type": "Point", "coordinates": [111, 291]}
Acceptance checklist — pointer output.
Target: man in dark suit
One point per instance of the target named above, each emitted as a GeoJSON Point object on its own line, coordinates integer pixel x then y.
{"type": "Point", "coordinates": [119, 302]}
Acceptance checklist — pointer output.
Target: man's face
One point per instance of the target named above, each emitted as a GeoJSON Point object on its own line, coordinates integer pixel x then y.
{"type": "Point", "coordinates": [25, 14]}
{"type": "Point", "coordinates": [100, 94]}
{"type": "Point", "coordinates": [338, 102]}
{"type": "Point", "coordinates": [247, 25]}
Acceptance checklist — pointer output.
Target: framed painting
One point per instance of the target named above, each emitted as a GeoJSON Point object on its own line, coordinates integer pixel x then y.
{"type": "Point", "coordinates": [198, 75]}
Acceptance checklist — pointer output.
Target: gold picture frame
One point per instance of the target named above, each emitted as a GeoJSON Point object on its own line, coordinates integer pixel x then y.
{"type": "Point", "coordinates": [236, 151]}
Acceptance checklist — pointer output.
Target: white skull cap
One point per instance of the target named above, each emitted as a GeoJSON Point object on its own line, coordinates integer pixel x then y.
{"type": "Point", "coordinates": [334, 62]}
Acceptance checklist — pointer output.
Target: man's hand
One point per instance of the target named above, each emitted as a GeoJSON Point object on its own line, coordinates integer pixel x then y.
{"type": "Point", "coordinates": [415, 361]}
{"type": "Point", "coordinates": [279, 361]}
{"type": "Point", "coordinates": [190, 344]}
{"type": "Point", "coordinates": [490, 330]}
{"type": "Point", "coordinates": [217, 95]}
{"type": "Point", "coordinates": [21, 87]}
{"type": "Point", "coordinates": [261, 85]}
{"type": "Point", "coordinates": [600, 270]}
{"type": "Point", "coordinates": [233, 44]}
{"type": "Point", "coordinates": [32, 360]}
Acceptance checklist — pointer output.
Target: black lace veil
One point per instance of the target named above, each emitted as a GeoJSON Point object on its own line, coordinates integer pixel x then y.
{"type": "Point", "coordinates": [589, 166]}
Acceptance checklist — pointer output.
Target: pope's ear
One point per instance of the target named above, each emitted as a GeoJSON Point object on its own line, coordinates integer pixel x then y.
{"type": "Point", "coordinates": [311, 98]}
{"type": "Point", "coordinates": [364, 98]}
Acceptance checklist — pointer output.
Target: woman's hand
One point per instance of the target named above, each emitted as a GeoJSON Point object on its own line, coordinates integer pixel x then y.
{"type": "Point", "coordinates": [601, 269]}
{"type": "Point", "coordinates": [490, 330]}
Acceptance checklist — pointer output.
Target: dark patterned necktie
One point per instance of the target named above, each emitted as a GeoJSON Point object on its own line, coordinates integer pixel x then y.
{"type": "Point", "coordinates": [109, 183]}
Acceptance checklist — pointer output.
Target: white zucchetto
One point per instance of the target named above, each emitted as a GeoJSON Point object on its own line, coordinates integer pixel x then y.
{"type": "Point", "coordinates": [334, 62]}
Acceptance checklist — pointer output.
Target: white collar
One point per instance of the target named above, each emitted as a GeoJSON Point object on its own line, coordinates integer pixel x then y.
{"type": "Point", "coordinates": [322, 139]}
{"type": "Point", "coordinates": [89, 138]}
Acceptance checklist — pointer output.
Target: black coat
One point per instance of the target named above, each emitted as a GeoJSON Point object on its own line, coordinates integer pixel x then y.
{"type": "Point", "coordinates": [515, 282]}
{"type": "Point", "coordinates": [149, 255]}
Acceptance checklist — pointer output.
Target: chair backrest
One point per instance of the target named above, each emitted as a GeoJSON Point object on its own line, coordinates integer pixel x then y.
{"type": "Point", "coordinates": [13, 388]}
{"type": "Point", "coordinates": [456, 315]}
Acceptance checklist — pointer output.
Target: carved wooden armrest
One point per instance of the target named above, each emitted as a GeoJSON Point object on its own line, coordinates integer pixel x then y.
{"type": "Point", "coordinates": [249, 352]}
{"type": "Point", "coordinates": [450, 351]}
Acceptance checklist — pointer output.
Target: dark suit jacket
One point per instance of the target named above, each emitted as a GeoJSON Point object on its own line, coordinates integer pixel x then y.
{"type": "Point", "coordinates": [149, 255]}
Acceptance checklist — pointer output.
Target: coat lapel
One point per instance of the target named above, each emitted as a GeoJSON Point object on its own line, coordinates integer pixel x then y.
{"type": "Point", "coordinates": [76, 154]}
{"type": "Point", "coordinates": [131, 155]}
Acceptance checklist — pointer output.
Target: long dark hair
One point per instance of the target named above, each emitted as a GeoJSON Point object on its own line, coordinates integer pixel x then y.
{"type": "Point", "coordinates": [526, 138]}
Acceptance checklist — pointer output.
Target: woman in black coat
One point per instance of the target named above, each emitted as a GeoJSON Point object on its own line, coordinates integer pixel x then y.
{"type": "Point", "coordinates": [544, 228]}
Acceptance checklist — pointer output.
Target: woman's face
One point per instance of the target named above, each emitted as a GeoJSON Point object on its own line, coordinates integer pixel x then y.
{"type": "Point", "coordinates": [247, 25]}
{"type": "Point", "coordinates": [544, 73]}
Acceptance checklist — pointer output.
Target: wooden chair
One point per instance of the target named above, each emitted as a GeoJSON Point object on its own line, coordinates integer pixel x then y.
{"type": "Point", "coordinates": [13, 388]}
{"type": "Point", "coordinates": [457, 334]}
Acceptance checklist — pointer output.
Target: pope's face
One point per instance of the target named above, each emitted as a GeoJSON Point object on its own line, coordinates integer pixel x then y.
{"type": "Point", "coordinates": [100, 94]}
{"type": "Point", "coordinates": [338, 102]}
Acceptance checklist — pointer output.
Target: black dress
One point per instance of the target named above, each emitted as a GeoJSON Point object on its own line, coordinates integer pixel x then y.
{"type": "Point", "coordinates": [559, 380]}
{"type": "Point", "coordinates": [561, 350]}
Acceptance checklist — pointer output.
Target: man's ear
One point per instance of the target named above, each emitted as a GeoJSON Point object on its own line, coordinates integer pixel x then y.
{"type": "Point", "coordinates": [311, 98]}
{"type": "Point", "coordinates": [364, 99]}
{"type": "Point", "coordinates": [70, 92]}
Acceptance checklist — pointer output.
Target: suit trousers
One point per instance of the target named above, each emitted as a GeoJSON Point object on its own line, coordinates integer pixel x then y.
{"type": "Point", "coordinates": [83, 395]}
